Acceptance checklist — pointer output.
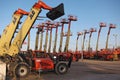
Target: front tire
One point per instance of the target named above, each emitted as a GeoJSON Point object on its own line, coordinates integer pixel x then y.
{"type": "Point", "coordinates": [22, 70]}
{"type": "Point", "coordinates": [61, 68]}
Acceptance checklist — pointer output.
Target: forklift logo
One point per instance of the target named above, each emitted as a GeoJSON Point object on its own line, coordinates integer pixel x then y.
{"type": "Point", "coordinates": [32, 14]}
{"type": "Point", "coordinates": [14, 20]}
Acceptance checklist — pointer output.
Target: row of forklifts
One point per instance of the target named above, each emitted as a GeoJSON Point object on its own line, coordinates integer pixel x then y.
{"type": "Point", "coordinates": [102, 54]}
{"type": "Point", "coordinates": [15, 63]}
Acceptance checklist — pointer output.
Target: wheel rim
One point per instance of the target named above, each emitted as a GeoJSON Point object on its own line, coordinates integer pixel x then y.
{"type": "Point", "coordinates": [62, 69]}
{"type": "Point", "coordinates": [22, 71]}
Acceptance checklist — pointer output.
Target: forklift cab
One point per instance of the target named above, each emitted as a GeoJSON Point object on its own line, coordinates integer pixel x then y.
{"type": "Point", "coordinates": [42, 61]}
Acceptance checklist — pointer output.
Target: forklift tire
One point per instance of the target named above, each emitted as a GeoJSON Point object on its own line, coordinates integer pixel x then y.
{"type": "Point", "coordinates": [22, 70]}
{"type": "Point", "coordinates": [61, 68]}
{"type": "Point", "coordinates": [77, 60]}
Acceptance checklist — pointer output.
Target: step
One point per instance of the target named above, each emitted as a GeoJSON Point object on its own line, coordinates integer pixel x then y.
{"type": "Point", "coordinates": [2, 70]}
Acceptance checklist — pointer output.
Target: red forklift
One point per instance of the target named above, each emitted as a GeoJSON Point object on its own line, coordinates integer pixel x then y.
{"type": "Point", "coordinates": [42, 61]}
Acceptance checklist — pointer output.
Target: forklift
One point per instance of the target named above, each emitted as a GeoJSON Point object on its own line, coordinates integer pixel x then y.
{"type": "Point", "coordinates": [20, 64]}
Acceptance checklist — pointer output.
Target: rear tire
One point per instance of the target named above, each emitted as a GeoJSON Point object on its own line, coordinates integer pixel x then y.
{"type": "Point", "coordinates": [22, 70]}
{"type": "Point", "coordinates": [61, 68]}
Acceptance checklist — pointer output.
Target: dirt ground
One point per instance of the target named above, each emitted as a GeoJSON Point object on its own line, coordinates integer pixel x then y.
{"type": "Point", "coordinates": [84, 70]}
{"type": "Point", "coordinates": [89, 70]}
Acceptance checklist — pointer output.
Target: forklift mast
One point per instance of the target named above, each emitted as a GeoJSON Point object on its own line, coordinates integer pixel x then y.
{"type": "Point", "coordinates": [56, 35]}
{"type": "Point", "coordinates": [28, 47]}
{"type": "Point", "coordinates": [48, 23]}
{"type": "Point", "coordinates": [101, 25]}
{"type": "Point", "coordinates": [112, 26]}
{"type": "Point", "coordinates": [41, 36]}
{"type": "Point", "coordinates": [91, 31]}
{"type": "Point", "coordinates": [40, 29]}
{"type": "Point", "coordinates": [9, 31]}
{"type": "Point", "coordinates": [15, 64]}
{"type": "Point", "coordinates": [27, 25]}
{"type": "Point", "coordinates": [37, 38]}
{"type": "Point", "coordinates": [63, 21]}
{"type": "Point", "coordinates": [78, 34]}
{"type": "Point", "coordinates": [50, 40]}
{"type": "Point", "coordinates": [70, 18]}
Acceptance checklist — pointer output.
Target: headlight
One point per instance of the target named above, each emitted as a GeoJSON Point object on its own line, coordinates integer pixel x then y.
{"type": "Point", "coordinates": [54, 57]}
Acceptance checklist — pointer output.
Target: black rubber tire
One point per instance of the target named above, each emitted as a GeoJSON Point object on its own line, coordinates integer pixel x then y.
{"type": "Point", "coordinates": [22, 70]}
{"type": "Point", "coordinates": [61, 68]}
{"type": "Point", "coordinates": [77, 60]}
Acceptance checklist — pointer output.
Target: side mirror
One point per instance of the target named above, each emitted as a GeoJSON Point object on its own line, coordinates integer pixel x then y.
{"type": "Point", "coordinates": [56, 12]}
